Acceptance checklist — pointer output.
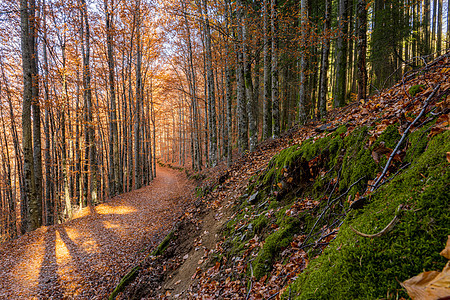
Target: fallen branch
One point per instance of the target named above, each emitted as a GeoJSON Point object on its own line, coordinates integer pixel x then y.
{"type": "Point", "coordinates": [326, 209]}
{"type": "Point", "coordinates": [377, 182]}
{"type": "Point", "coordinates": [124, 281]}
{"type": "Point", "coordinates": [385, 229]}
{"type": "Point", "coordinates": [251, 283]}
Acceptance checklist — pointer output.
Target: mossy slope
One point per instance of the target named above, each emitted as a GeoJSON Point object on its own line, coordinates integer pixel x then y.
{"type": "Point", "coordinates": [353, 267]}
{"type": "Point", "coordinates": [329, 171]}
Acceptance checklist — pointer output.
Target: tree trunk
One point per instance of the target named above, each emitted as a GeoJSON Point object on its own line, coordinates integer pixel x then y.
{"type": "Point", "coordinates": [267, 101]}
{"type": "Point", "coordinates": [240, 88]}
{"type": "Point", "coordinates": [439, 27]}
{"type": "Point", "coordinates": [229, 99]}
{"type": "Point", "coordinates": [341, 55]}
{"type": "Point", "coordinates": [248, 83]}
{"type": "Point", "coordinates": [115, 185]}
{"type": "Point", "coordinates": [137, 116]}
{"type": "Point", "coordinates": [30, 213]}
{"type": "Point", "coordinates": [323, 82]}
{"type": "Point", "coordinates": [49, 204]}
{"type": "Point", "coordinates": [90, 169]}
{"type": "Point", "coordinates": [275, 100]}
{"type": "Point", "coordinates": [211, 90]}
{"type": "Point", "coordinates": [362, 49]}
{"type": "Point", "coordinates": [36, 110]}
{"type": "Point", "coordinates": [426, 27]}
{"type": "Point", "coordinates": [302, 111]}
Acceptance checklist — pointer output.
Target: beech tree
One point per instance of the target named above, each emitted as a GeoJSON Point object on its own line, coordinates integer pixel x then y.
{"type": "Point", "coordinates": [98, 103]}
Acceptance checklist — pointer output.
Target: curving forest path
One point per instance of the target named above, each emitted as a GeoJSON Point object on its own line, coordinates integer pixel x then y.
{"type": "Point", "coordinates": [85, 257]}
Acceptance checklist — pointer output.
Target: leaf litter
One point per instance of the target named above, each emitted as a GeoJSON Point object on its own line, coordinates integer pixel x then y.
{"type": "Point", "coordinates": [86, 257]}
{"type": "Point", "coordinates": [203, 276]}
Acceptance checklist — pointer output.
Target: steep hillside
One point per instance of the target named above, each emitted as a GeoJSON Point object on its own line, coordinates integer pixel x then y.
{"type": "Point", "coordinates": [346, 208]}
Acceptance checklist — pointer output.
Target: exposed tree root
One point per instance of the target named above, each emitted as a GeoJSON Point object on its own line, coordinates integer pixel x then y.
{"type": "Point", "coordinates": [385, 229]}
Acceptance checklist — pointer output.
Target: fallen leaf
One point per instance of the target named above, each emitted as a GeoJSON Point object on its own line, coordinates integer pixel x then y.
{"type": "Point", "coordinates": [435, 131]}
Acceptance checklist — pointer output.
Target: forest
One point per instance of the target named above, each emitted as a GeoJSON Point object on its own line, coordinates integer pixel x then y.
{"type": "Point", "coordinates": [96, 96]}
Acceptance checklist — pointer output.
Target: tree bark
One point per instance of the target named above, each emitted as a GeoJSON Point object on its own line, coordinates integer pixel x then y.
{"type": "Point", "coordinates": [362, 49]}
{"type": "Point", "coordinates": [115, 185]}
{"type": "Point", "coordinates": [36, 111]}
{"type": "Point", "coordinates": [90, 181]}
{"type": "Point", "coordinates": [30, 213]}
{"type": "Point", "coordinates": [341, 55]}
{"type": "Point", "coordinates": [211, 90]}
{"type": "Point", "coordinates": [302, 111]}
{"type": "Point", "coordinates": [275, 100]}
{"type": "Point", "coordinates": [137, 116]}
{"type": "Point", "coordinates": [323, 81]}
{"type": "Point", "coordinates": [242, 117]}
{"type": "Point", "coordinates": [267, 93]}
{"type": "Point", "coordinates": [439, 27]}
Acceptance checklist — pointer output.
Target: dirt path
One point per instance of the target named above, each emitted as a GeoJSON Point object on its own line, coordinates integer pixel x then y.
{"type": "Point", "coordinates": [84, 258]}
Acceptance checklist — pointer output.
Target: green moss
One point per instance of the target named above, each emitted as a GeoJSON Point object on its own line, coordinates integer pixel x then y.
{"type": "Point", "coordinates": [358, 162]}
{"type": "Point", "coordinates": [163, 245]}
{"type": "Point", "coordinates": [124, 282]}
{"type": "Point", "coordinates": [353, 267]}
{"type": "Point", "coordinates": [273, 245]}
{"type": "Point", "coordinates": [418, 142]}
{"type": "Point", "coordinates": [415, 89]}
{"type": "Point", "coordinates": [273, 204]}
{"type": "Point", "coordinates": [389, 137]}
{"type": "Point", "coordinates": [259, 224]}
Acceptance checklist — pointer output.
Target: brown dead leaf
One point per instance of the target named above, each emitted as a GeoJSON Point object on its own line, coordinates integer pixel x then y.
{"type": "Point", "coordinates": [448, 157]}
{"type": "Point", "coordinates": [435, 131]}
{"type": "Point", "coordinates": [379, 151]}
{"type": "Point", "coordinates": [443, 120]}
{"type": "Point", "coordinates": [446, 252]}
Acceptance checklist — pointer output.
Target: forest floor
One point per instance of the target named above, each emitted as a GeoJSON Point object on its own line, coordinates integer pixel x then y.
{"type": "Point", "coordinates": [210, 252]}
{"type": "Point", "coordinates": [84, 258]}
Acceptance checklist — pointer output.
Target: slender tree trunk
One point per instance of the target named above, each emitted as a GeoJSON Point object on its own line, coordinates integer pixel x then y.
{"type": "Point", "coordinates": [36, 111]}
{"type": "Point", "coordinates": [426, 27]}
{"type": "Point", "coordinates": [302, 111]}
{"type": "Point", "coordinates": [229, 100]}
{"type": "Point", "coordinates": [248, 83]}
{"type": "Point", "coordinates": [242, 121]}
{"type": "Point", "coordinates": [115, 185]}
{"type": "Point", "coordinates": [49, 204]}
{"type": "Point", "coordinates": [448, 24]}
{"type": "Point", "coordinates": [433, 33]}
{"type": "Point", "coordinates": [362, 49]}
{"type": "Point", "coordinates": [267, 93]}
{"type": "Point", "coordinates": [30, 213]}
{"type": "Point", "coordinates": [10, 205]}
{"type": "Point", "coordinates": [90, 183]}
{"type": "Point", "coordinates": [211, 90]}
{"type": "Point", "coordinates": [341, 55]}
{"type": "Point", "coordinates": [197, 165]}
{"type": "Point", "coordinates": [137, 117]}
{"type": "Point", "coordinates": [439, 27]}
{"type": "Point", "coordinates": [275, 100]}
{"type": "Point", "coordinates": [323, 82]}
